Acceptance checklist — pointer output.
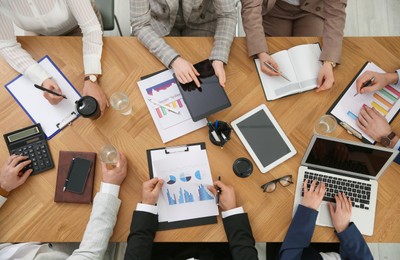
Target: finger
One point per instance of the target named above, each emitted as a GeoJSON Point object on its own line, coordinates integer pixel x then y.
{"type": "Point", "coordinates": [222, 79]}
{"type": "Point", "coordinates": [25, 176]}
{"type": "Point", "coordinates": [20, 166]}
{"type": "Point", "coordinates": [220, 185]}
{"type": "Point", "coordinates": [312, 188]}
{"type": "Point", "coordinates": [186, 76]}
{"type": "Point", "coordinates": [375, 113]}
{"type": "Point", "coordinates": [320, 79]}
{"type": "Point", "coordinates": [363, 78]}
{"type": "Point", "coordinates": [305, 186]}
{"type": "Point", "coordinates": [10, 158]}
{"type": "Point", "coordinates": [55, 88]}
{"type": "Point", "coordinates": [331, 209]}
{"type": "Point", "coordinates": [212, 189]}
{"type": "Point", "coordinates": [195, 71]}
{"type": "Point", "coordinates": [322, 189]}
{"type": "Point", "coordinates": [338, 202]}
{"type": "Point", "coordinates": [194, 78]}
{"type": "Point", "coordinates": [17, 159]}
{"type": "Point", "coordinates": [158, 186]}
{"type": "Point", "coordinates": [346, 202]}
{"type": "Point", "coordinates": [351, 205]}
{"type": "Point", "coordinates": [121, 160]}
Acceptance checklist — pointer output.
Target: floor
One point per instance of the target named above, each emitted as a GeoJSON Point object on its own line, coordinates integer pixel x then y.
{"type": "Point", "coordinates": [364, 18]}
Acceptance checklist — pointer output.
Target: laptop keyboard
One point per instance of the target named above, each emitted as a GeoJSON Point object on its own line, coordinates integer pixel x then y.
{"type": "Point", "coordinates": [358, 192]}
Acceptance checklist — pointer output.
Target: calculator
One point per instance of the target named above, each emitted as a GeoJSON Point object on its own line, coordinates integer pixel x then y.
{"type": "Point", "coordinates": [31, 141]}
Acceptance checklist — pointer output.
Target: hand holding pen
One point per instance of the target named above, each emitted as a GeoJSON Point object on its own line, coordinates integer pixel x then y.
{"type": "Point", "coordinates": [265, 58]}
{"type": "Point", "coordinates": [371, 81]}
{"type": "Point", "coordinates": [51, 91]}
{"type": "Point", "coordinates": [276, 70]}
{"type": "Point", "coordinates": [226, 197]}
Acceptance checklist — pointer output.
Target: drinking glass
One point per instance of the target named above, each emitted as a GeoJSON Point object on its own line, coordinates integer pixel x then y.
{"type": "Point", "coordinates": [120, 102]}
{"type": "Point", "coordinates": [109, 155]}
{"type": "Point", "coordinates": [326, 125]}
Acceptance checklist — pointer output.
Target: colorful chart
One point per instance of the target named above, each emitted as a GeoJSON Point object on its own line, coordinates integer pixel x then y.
{"type": "Point", "coordinates": [197, 175]}
{"type": "Point", "coordinates": [172, 180]}
{"type": "Point", "coordinates": [203, 193]}
{"type": "Point", "coordinates": [184, 177]}
{"type": "Point", "coordinates": [161, 111]}
{"type": "Point", "coordinates": [162, 86]}
{"type": "Point", "coordinates": [185, 196]}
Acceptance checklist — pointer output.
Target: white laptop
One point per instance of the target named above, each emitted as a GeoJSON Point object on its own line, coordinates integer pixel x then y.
{"type": "Point", "coordinates": [345, 166]}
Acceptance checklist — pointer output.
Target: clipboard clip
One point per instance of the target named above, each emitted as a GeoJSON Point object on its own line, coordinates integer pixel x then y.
{"type": "Point", "coordinates": [350, 130]}
{"type": "Point", "coordinates": [67, 120]}
{"type": "Point", "coordinates": [176, 149]}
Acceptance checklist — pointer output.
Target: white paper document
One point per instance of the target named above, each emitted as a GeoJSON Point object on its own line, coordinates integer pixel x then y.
{"type": "Point", "coordinates": [51, 117]}
{"type": "Point", "coordinates": [162, 88]}
{"type": "Point", "coordinates": [184, 194]}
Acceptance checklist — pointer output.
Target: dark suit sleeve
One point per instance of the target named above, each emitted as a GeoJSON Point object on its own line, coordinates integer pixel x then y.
{"type": "Point", "coordinates": [397, 159]}
{"type": "Point", "coordinates": [353, 245]}
{"type": "Point", "coordinates": [240, 237]}
{"type": "Point", "coordinates": [140, 240]}
{"type": "Point", "coordinates": [299, 234]}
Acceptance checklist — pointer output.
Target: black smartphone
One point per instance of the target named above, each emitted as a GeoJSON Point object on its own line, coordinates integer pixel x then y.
{"type": "Point", "coordinates": [77, 175]}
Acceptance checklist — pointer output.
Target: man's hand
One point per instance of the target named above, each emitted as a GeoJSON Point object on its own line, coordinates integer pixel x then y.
{"type": "Point", "coordinates": [117, 174]}
{"type": "Point", "coordinates": [185, 72]}
{"type": "Point", "coordinates": [51, 85]}
{"type": "Point", "coordinates": [93, 89]}
{"type": "Point", "coordinates": [373, 123]}
{"type": "Point", "coordinates": [381, 80]}
{"type": "Point", "coordinates": [10, 175]}
{"type": "Point", "coordinates": [151, 191]}
{"type": "Point", "coordinates": [325, 77]}
{"type": "Point", "coordinates": [219, 71]}
{"type": "Point", "coordinates": [341, 215]}
{"type": "Point", "coordinates": [227, 198]}
{"type": "Point", "coordinates": [313, 197]}
{"type": "Point", "coordinates": [265, 58]}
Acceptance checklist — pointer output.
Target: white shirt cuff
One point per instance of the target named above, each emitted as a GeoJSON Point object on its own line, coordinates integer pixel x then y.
{"type": "Point", "coordinates": [92, 64]}
{"type": "Point", "coordinates": [37, 74]}
{"type": "Point", "coordinates": [147, 208]}
{"type": "Point", "coordinates": [398, 76]}
{"type": "Point", "coordinates": [109, 188]}
{"type": "Point", "coordinates": [2, 200]}
{"type": "Point", "coordinates": [397, 145]}
{"type": "Point", "coordinates": [231, 212]}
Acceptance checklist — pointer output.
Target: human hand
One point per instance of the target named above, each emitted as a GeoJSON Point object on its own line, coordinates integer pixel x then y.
{"type": "Point", "coordinates": [51, 85]}
{"type": "Point", "coordinates": [11, 175]}
{"type": "Point", "coordinates": [219, 71]}
{"type": "Point", "coordinates": [341, 215]}
{"type": "Point", "coordinates": [373, 123]}
{"type": "Point", "coordinates": [265, 58]}
{"type": "Point", "coordinates": [117, 174]}
{"type": "Point", "coordinates": [227, 198]}
{"type": "Point", "coordinates": [325, 77]}
{"type": "Point", "coordinates": [185, 72]}
{"type": "Point", "coordinates": [312, 198]}
{"type": "Point", "coordinates": [94, 90]}
{"type": "Point", "coordinates": [381, 80]}
{"type": "Point", "coordinates": [151, 191]}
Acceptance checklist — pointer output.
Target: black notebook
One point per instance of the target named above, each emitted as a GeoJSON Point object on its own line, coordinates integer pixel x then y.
{"type": "Point", "coordinates": [209, 98]}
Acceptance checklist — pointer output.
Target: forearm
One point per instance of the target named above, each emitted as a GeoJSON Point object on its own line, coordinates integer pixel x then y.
{"type": "Point", "coordinates": [335, 18]}
{"type": "Point", "coordinates": [353, 245]}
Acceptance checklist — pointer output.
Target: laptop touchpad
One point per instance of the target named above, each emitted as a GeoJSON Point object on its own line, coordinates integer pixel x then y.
{"type": "Point", "coordinates": [324, 218]}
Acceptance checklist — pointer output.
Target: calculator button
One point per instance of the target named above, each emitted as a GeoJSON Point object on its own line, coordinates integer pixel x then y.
{"type": "Point", "coordinates": [47, 162]}
{"type": "Point", "coordinates": [41, 164]}
{"type": "Point", "coordinates": [36, 168]}
{"type": "Point", "coordinates": [40, 157]}
{"type": "Point", "coordinates": [38, 153]}
{"type": "Point", "coordinates": [30, 147]}
{"type": "Point", "coordinates": [35, 163]}
{"type": "Point", "coordinates": [42, 147]}
{"type": "Point", "coordinates": [30, 151]}
{"type": "Point", "coordinates": [32, 155]}
{"type": "Point", "coordinates": [45, 155]}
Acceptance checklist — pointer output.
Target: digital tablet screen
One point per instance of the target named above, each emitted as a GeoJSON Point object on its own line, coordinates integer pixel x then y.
{"type": "Point", "coordinates": [263, 138]}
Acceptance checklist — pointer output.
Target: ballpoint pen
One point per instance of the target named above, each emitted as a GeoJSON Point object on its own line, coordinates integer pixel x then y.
{"type": "Point", "coordinates": [218, 192]}
{"type": "Point", "coordinates": [48, 90]}
{"type": "Point", "coordinates": [277, 71]}
{"type": "Point", "coordinates": [164, 106]}
{"type": "Point", "coordinates": [213, 132]}
{"type": "Point", "coordinates": [366, 84]}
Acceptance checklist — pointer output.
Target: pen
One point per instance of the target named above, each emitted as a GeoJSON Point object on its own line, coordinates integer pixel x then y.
{"type": "Point", "coordinates": [218, 192]}
{"type": "Point", "coordinates": [48, 90]}
{"type": "Point", "coordinates": [164, 106]}
{"type": "Point", "coordinates": [350, 130]}
{"type": "Point", "coordinates": [213, 133]}
{"type": "Point", "coordinates": [69, 174]}
{"type": "Point", "coordinates": [277, 71]}
{"type": "Point", "coordinates": [366, 84]}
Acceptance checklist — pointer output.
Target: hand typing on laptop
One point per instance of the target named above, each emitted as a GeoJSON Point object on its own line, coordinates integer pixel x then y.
{"type": "Point", "coordinates": [313, 197]}
{"type": "Point", "coordinates": [341, 213]}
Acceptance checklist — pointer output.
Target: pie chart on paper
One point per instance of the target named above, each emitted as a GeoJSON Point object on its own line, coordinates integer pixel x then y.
{"type": "Point", "coordinates": [172, 180]}
{"type": "Point", "coordinates": [184, 177]}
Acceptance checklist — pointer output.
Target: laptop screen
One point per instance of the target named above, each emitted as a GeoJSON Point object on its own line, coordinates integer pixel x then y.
{"type": "Point", "coordinates": [348, 157]}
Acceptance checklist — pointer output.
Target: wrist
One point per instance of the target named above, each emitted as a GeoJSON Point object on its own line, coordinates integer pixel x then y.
{"type": "Point", "coordinates": [392, 78]}
{"type": "Point", "coordinates": [262, 55]}
{"type": "Point", "coordinates": [331, 63]}
{"type": "Point", "coordinates": [4, 192]}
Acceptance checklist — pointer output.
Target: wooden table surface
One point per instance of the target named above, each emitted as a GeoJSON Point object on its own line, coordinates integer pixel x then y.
{"type": "Point", "coordinates": [30, 214]}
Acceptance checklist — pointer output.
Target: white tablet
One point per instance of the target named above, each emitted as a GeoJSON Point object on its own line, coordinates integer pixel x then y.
{"type": "Point", "coordinates": [263, 138]}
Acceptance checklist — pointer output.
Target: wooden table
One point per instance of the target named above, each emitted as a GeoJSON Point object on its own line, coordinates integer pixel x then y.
{"type": "Point", "coordinates": [31, 215]}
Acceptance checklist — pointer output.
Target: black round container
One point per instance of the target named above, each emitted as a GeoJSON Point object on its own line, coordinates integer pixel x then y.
{"type": "Point", "coordinates": [88, 107]}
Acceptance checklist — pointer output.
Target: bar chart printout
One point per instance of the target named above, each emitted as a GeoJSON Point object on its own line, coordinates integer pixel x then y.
{"type": "Point", "coordinates": [184, 194]}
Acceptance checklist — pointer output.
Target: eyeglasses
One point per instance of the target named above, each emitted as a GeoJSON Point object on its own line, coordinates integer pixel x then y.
{"type": "Point", "coordinates": [271, 186]}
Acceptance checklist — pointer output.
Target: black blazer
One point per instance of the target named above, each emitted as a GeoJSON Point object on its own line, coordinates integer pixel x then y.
{"type": "Point", "coordinates": [144, 226]}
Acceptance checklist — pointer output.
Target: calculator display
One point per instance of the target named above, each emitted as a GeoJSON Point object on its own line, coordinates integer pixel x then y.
{"type": "Point", "coordinates": [23, 134]}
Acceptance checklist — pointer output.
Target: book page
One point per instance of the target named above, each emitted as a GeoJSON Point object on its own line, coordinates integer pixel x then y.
{"type": "Point", "coordinates": [385, 101]}
{"type": "Point", "coordinates": [306, 63]}
{"type": "Point", "coordinates": [276, 86]}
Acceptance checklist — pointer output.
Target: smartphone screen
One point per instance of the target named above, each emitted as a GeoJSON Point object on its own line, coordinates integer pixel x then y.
{"type": "Point", "coordinates": [78, 173]}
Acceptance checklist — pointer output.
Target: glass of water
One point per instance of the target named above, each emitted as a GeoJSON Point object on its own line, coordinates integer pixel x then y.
{"type": "Point", "coordinates": [109, 155]}
{"type": "Point", "coordinates": [326, 125]}
{"type": "Point", "coordinates": [120, 102]}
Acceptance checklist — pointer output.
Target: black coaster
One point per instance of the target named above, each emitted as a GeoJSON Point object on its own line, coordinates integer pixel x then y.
{"type": "Point", "coordinates": [242, 167]}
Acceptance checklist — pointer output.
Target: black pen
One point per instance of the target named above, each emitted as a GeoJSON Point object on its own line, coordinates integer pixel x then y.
{"type": "Point", "coordinates": [69, 174]}
{"type": "Point", "coordinates": [48, 90]}
{"type": "Point", "coordinates": [218, 192]}
{"type": "Point", "coordinates": [366, 84]}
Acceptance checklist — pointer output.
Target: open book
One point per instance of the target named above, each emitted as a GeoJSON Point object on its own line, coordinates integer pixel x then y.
{"type": "Point", "coordinates": [300, 64]}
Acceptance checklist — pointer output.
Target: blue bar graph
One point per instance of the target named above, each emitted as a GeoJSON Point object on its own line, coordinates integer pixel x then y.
{"type": "Point", "coordinates": [203, 194]}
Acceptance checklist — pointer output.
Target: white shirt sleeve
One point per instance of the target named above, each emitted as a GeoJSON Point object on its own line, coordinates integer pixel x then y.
{"type": "Point", "coordinates": [231, 212]}
{"type": "Point", "coordinates": [2, 200]}
{"type": "Point", "coordinates": [398, 76]}
{"type": "Point", "coordinates": [109, 188]}
{"type": "Point", "coordinates": [147, 208]}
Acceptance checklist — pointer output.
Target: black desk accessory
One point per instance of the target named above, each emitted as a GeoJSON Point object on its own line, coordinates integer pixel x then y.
{"type": "Point", "coordinates": [31, 141]}
{"type": "Point", "coordinates": [242, 167]}
{"type": "Point", "coordinates": [219, 132]}
{"type": "Point", "coordinates": [88, 107]}
{"type": "Point", "coordinates": [207, 99]}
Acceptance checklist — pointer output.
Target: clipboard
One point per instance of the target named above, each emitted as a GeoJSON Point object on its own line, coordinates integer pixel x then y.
{"type": "Point", "coordinates": [31, 100]}
{"type": "Point", "coordinates": [172, 150]}
{"type": "Point", "coordinates": [348, 124]}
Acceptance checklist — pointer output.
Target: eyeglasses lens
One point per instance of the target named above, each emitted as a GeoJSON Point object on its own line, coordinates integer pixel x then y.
{"type": "Point", "coordinates": [286, 181]}
{"type": "Point", "coordinates": [270, 187]}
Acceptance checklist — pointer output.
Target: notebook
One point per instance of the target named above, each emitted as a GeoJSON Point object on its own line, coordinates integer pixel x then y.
{"type": "Point", "coordinates": [65, 159]}
{"type": "Point", "coordinates": [207, 99]}
{"type": "Point", "coordinates": [300, 64]}
{"type": "Point", "coordinates": [52, 117]}
{"type": "Point", "coordinates": [345, 166]}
